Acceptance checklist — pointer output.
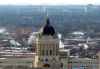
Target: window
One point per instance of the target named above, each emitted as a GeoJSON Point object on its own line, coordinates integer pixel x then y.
{"type": "Point", "coordinates": [46, 52]}
{"type": "Point", "coordinates": [61, 65]}
{"type": "Point", "coordinates": [46, 59]}
{"type": "Point", "coordinates": [50, 52]}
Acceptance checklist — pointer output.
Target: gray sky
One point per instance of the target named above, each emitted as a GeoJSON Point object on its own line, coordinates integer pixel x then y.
{"type": "Point", "coordinates": [48, 2]}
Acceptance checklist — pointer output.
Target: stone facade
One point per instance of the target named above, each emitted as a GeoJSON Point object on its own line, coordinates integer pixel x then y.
{"type": "Point", "coordinates": [47, 52]}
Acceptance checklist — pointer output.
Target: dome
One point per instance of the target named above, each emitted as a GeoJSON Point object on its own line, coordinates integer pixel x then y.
{"type": "Point", "coordinates": [48, 29]}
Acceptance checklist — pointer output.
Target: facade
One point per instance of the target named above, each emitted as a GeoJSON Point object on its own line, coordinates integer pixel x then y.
{"type": "Point", "coordinates": [64, 55]}
{"type": "Point", "coordinates": [98, 54]}
{"type": "Point", "coordinates": [46, 52]}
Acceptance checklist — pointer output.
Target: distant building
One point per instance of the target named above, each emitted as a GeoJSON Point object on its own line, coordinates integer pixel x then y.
{"type": "Point", "coordinates": [77, 34]}
{"type": "Point", "coordinates": [82, 63]}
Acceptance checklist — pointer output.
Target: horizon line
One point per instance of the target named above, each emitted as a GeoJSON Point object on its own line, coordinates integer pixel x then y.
{"type": "Point", "coordinates": [49, 5]}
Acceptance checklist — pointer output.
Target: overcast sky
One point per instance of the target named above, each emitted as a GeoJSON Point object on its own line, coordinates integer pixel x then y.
{"type": "Point", "coordinates": [48, 2]}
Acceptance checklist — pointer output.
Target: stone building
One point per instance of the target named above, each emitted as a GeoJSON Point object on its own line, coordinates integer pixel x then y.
{"type": "Point", "coordinates": [47, 48]}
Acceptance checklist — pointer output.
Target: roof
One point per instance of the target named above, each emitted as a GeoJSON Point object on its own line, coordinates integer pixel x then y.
{"type": "Point", "coordinates": [48, 29]}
